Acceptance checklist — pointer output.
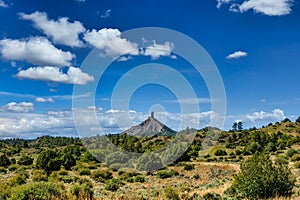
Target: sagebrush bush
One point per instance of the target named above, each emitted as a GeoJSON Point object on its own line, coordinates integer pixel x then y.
{"type": "Point", "coordinates": [295, 157]}
{"type": "Point", "coordinates": [171, 193]}
{"type": "Point", "coordinates": [139, 178]}
{"type": "Point", "coordinates": [113, 184]}
{"type": "Point", "coordinates": [18, 179]}
{"type": "Point", "coordinates": [101, 175]}
{"type": "Point", "coordinates": [196, 176]}
{"type": "Point", "coordinates": [13, 167]}
{"type": "Point", "coordinates": [291, 152]}
{"type": "Point", "coordinates": [63, 172]}
{"type": "Point", "coordinates": [84, 171]}
{"type": "Point", "coordinates": [220, 152]}
{"type": "Point", "coordinates": [5, 190]}
{"type": "Point", "coordinates": [297, 165]}
{"type": "Point", "coordinates": [188, 167]}
{"type": "Point", "coordinates": [39, 175]}
{"type": "Point", "coordinates": [212, 196]}
{"type": "Point", "coordinates": [167, 173]}
{"type": "Point", "coordinates": [39, 191]}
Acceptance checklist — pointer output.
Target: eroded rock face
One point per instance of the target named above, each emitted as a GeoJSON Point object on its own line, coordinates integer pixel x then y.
{"type": "Point", "coordinates": [149, 127]}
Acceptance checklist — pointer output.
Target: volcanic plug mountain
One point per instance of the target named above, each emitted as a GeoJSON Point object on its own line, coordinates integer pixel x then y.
{"type": "Point", "coordinates": [150, 127]}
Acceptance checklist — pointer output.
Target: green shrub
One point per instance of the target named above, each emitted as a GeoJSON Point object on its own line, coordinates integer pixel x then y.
{"type": "Point", "coordinates": [18, 179]}
{"type": "Point", "coordinates": [13, 161]}
{"type": "Point", "coordinates": [253, 147]}
{"type": "Point", "coordinates": [101, 175]}
{"type": "Point", "coordinates": [291, 152]}
{"type": "Point", "coordinates": [75, 190]}
{"type": "Point", "coordinates": [68, 161]}
{"type": "Point", "coordinates": [139, 178]}
{"type": "Point", "coordinates": [188, 167]}
{"type": "Point", "coordinates": [246, 152]}
{"type": "Point", "coordinates": [238, 152]}
{"type": "Point", "coordinates": [92, 166]}
{"type": "Point", "coordinates": [25, 160]}
{"type": "Point", "coordinates": [13, 167]}
{"type": "Point", "coordinates": [63, 172]}
{"type": "Point", "coordinates": [39, 175]}
{"type": "Point", "coordinates": [88, 157]}
{"type": "Point", "coordinates": [271, 147]}
{"type": "Point", "coordinates": [86, 191]}
{"type": "Point", "coordinates": [171, 193]}
{"type": "Point", "coordinates": [5, 190]}
{"type": "Point", "coordinates": [113, 184]}
{"type": "Point", "coordinates": [297, 165]}
{"type": "Point", "coordinates": [230, 146]}
{"type": "Point", "coordinates": [196, 176]}
{"type": "Point", "coordinates": [68, 179]}
{"type": "Point", "coordinates": [38, 191]}
{"type": "Point", "coordinates": [4, 161]}
{"type": "Point", "coordinates": [220, 152]}
{"type": "Point", "coordinates": [129, 180]}
{"type": "Point", "coordinates": [48, 160]}
{"type": "Point", "coordinates": [295, 157]}
{"type": "Point", "coordinates": [212, 196]}
{"type": "Point", "coordinates": [282, 160]}
{"type": "Point", "coordinates": [3, 170]}
{"type": "Point", "coordinates": [167, 173]}
{"type": "Point", "coordinates": [23, 171]}
{"type": "Point", "coordinates": [127, 174]}
{"type": "Point", "coordinates": [84, 171]}
{"type": "Point", "coordinates": [260, 178]}
{"type": "Point", "coordinates": [85, 180]}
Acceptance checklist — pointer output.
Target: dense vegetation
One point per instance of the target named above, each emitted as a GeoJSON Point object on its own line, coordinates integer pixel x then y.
{"type": "Point", "coordinates": [260, 178]}
{"type": "Point", "coordinates": [97, 167]}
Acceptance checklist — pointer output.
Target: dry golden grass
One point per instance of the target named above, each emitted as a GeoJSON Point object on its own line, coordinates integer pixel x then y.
{"type": "Point", "coordinates": [213, 177]}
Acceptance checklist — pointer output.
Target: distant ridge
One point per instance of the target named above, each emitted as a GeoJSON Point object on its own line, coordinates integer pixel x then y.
{"type": "Point", "coordinates": [150, 127]}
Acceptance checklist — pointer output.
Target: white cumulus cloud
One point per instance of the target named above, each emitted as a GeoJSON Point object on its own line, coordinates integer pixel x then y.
{"type": "Point", "coordinates": [237, 54]}
{"type": "Point", "coordinates": [266, 7]}
{"type": "Point", "coordinates": [21, 123]}
{"type": "Point", "coordinates": [221, 2]}
{"type": "Point", "coordinates": [276, 114]}
{"type": "Point", "coordinates": [3, 4]}
{"type": "Point", "coordinates": [35, 50]}
{"type": "Point", "coordinates": [61, 31]}
{"type": "Point", "coordinates": [110, 41]}
{"type": "Point", "coordinates": [43, 100]}
{"type": "Point", "coordinates": [157, 50]}
{"type": "Point", "coordinates": [106, 14]}
{"type": "Point", "coordinates": [18, 107]}
{"type": "Point", "coordinates": [55, 74]}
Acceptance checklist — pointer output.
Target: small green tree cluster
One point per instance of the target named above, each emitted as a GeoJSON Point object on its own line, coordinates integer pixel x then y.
{"type": "Point", "coordinates": [260, 178]}
{"type": "Point", "coordinates": [51, 160]}
{"type": "Point", "coordinates": [4, 161]}
{"type": "Point", "coordinates": [25, 160]}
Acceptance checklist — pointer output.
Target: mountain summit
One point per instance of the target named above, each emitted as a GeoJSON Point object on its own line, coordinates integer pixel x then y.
{"type": "Point", "coordinates": [150, 127]}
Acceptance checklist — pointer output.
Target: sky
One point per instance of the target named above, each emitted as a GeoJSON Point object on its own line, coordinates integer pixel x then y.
{"type": "Point", "coordinates": [45, 47]}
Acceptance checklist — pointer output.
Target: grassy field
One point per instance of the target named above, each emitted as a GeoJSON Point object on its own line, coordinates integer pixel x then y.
{"type": "Point", "coordinates": [73, 173]}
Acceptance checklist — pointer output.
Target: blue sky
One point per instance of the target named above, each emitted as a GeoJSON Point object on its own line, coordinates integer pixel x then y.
{"type": "Point", "coordinates": [255, 45]}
